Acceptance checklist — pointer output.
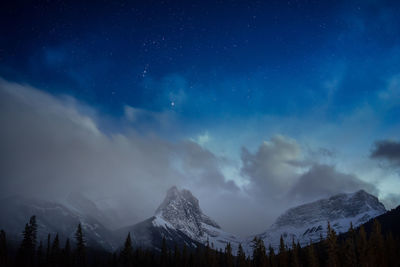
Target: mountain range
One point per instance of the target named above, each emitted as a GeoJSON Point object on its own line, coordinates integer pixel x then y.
{"type": "Point", "coordinates": [180, 221]}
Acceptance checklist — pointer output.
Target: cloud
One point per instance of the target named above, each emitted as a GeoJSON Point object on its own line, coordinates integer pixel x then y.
{"type": "Point", "coordinates": [53, 145]}
{"type": "Point", "coordinates": [388, 150]}
{"type": "Point", "coordinates": [323, 180]}
{"type": "Point", "coordinates": [282, 174]}
{"type": "Point", "coordinates": [273, 167]}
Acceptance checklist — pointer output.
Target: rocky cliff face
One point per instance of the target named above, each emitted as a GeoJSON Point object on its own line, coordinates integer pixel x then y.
{"type": "Point", "coordinates": [180, 219]}
{"type": "Point", "coordinates": [181, 209]}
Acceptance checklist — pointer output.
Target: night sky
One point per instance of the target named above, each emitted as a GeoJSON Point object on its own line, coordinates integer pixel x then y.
{"type": "Point", "coordinates": [254, 105]}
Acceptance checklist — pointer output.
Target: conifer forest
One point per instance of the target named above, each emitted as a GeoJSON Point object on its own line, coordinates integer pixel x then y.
{"type": "Point", "coordinates": [357, 247]}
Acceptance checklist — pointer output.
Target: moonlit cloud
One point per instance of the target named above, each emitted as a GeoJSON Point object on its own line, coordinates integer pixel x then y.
{"type": "Point", "coordinates": [53, 145]}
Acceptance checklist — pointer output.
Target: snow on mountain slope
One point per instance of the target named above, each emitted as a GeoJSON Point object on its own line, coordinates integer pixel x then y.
{"type": "Point", "coordinates": [52, 218]}
{"type": "Point", "coordinates": [180, 219]}
{"type": "Point", "coordinates": [182, 210]}
{"type": "Point", "coordinates": [308, 222]}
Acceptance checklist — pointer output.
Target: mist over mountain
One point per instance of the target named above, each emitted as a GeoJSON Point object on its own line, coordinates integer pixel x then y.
{"type": "Point", "coordinates": [67, 149]}
{"type": "Point", "coordinates": [179, 220]}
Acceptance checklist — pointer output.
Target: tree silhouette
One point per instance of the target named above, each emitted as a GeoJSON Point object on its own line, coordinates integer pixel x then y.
{"type": "Point", "coordinates": [349, 249]}
{"type": "Point", "coordinates": [283, 257]}
{"type": "Point", "coordinates": [295, 255]}
{"type": "Point", "coordinates": [26, 253]}
{"type": "Point", "coordinates": [55, 252]}
{"type": "Point", "coordinates": [126, 255]}
{"type": "Point", "coordinates": [312, 259]}
{"type": "Point", "coordinates": [228, 255]}
{"type": "Point", "coordinates": [332, 247]}
{"type": "Point", "coordinates": [241, 257]}
{"type": "Point", "coordinates": [80, 251]}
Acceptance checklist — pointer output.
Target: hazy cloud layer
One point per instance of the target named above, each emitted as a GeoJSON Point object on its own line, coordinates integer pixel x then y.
{"type": "Point", "coordinates": [323, 180]}
{"type": "Point", "coordinates": [53, 145]}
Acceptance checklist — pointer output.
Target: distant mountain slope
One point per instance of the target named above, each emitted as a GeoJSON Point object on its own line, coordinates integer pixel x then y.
{"type": "Point", "coordinates": [309, 221]}
{"type": "Point", "coordinates": [52, 218]}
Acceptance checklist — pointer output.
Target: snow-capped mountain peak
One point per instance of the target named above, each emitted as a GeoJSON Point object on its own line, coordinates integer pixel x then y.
{"type": "Point", "coordinates": [309, 221]}
{"type": "Point", "coordinates": [182, 210]}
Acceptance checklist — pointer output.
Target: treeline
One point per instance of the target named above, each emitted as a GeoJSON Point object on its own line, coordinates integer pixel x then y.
{"type": "Point", "coordinates": [356, 248]}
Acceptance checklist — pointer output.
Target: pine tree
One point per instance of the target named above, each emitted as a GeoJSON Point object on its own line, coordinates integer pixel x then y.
{"type": "Point", "coordinates": [295, 255]}
{"type": "Point", "coordinates": [259, 252]}
{"type": "Point", "coordinates": [241, 257]}
{"type": "Point", "coordinates": [228, 255]}
{"type": "Point", "coordinates": [3, 248]}
{"type": "Point", "coordinates": [209, 255]}
{"type": "Point", "coordinates": [80, 250]}
{"type": "Point", "coordinates": [26, 250]}
{"type": "Point", "coordinates": [272, 257]}
{"type": "Point", "coordinates": [33, 229]}
{"type": "Point", "coordinates": [126, 254]}
{"type": "Point", "coordinates": [282, 256]}
{"type": "Point", "coordinates": [332, 247]}
{"type": "Point", "coordinates": [349, 249]}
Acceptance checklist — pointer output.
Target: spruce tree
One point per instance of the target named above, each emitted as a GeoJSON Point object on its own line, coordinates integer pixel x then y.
{"type": "Point", "coordinates": [26, 250]}
{"type": "Point", "coordinates": [80, 250]}
{"type": "Point", "coordinates": [295, 255]}
{"type": "Point", "coordinates": [241, 257]}
{"type": "Point", "coordinates": [282, 257]}
{"type": "Point", "coordinates": [228, 255]}
{"type": "Point", "coordinates": [259, 252]}
{"type": "Point", "coordinates": [349, 249]}
{"type": "Point", "coordinates": [332, 247]}
{"type": "Point", "coordinates": [126, 255]}
{"type": "Point", "coordinates": [272, 257]}
{"type": "Point", "coordinates": [33, 229]}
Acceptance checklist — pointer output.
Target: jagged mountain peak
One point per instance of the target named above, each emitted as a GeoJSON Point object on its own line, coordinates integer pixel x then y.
{"type": "Point", "coordinates": [179, 199]}
{"type": "Point", "coordinates": [181, 209]}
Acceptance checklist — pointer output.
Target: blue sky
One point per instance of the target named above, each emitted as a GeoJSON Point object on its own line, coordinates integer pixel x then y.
{"type": "Point", "coordinates": [227, 75]}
